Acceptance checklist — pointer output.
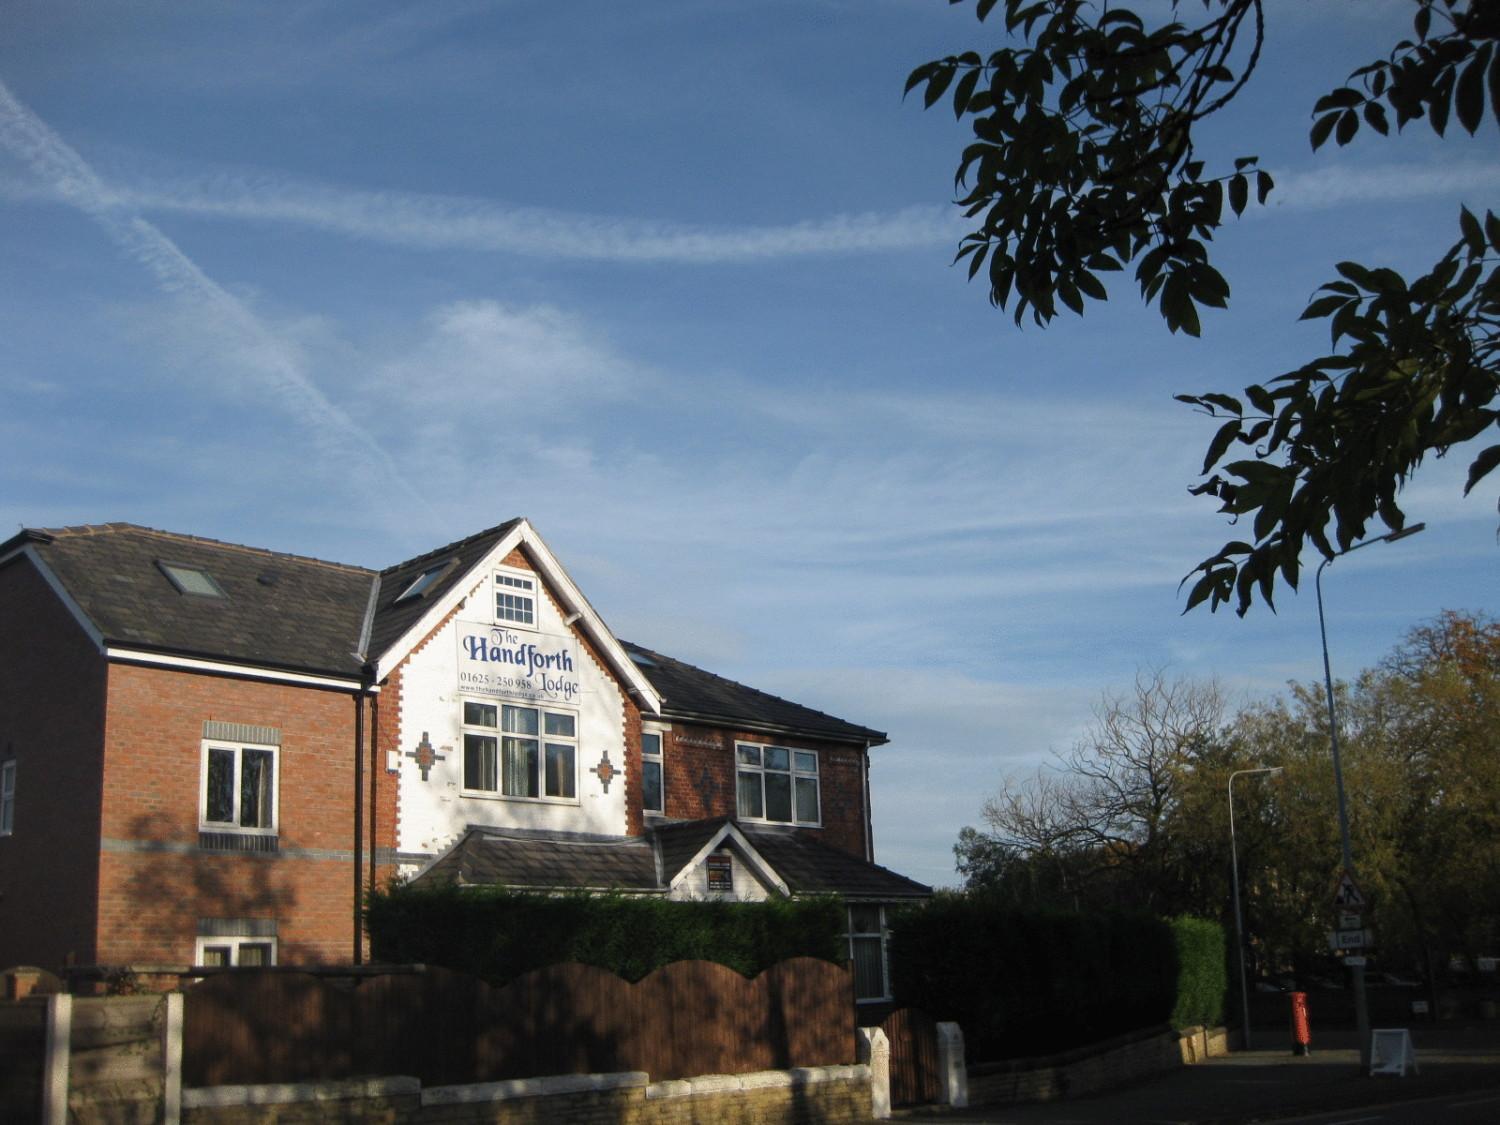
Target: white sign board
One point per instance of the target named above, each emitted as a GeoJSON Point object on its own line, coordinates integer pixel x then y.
{"type": "Point", "coordinates": [517, 664]}
{"type": "Point", "coordinates": [1349, 939]}
{"type": "Point", "coordinates": [1391, 1052]}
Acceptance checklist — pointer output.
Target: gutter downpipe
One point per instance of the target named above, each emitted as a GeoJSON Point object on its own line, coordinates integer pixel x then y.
{"type": "Point", "coordinates": [366, 680]}
{"type": "Point", "coordinates": [359, 813]}
{"type": "Point", "coordinates": [374, 786]}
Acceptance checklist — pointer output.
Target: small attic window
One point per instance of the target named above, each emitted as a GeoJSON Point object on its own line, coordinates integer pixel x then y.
{"type": "Point", "coordinates": [190, 579]}
{"type": "Point", "coordinates": [640, 659]}
{"type": "Point", "coordinates": [424, 581]}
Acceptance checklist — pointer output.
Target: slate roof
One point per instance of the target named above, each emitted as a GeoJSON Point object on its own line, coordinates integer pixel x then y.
{"type": "Point", "coordinates": [393, 619]}
{"type": "Point", "coordinates": [690, 693]}
{"type": "Point", "coordinates": [279, 611]}
{"type": "Point", "coordinates": [537, 860]}
{"type": "Point", "coordinates": [301, 614]}
{"type": "Point", "coordinates": [810, 867]}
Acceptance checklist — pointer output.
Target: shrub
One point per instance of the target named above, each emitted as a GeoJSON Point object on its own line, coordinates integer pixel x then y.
{"type": "Point", "coordinates": [1202, 976]}
{"type": "Point", "coordinates": [1029, 982]}
{"type": "Point", "coordinates": [498, 934]}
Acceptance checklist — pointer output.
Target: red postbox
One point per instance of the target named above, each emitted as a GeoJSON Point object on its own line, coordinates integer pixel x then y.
{"type": "Point", "coordinates": [1301, 1028]}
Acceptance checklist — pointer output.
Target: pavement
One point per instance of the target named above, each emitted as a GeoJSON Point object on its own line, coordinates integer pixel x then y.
{"type": "Point", "coordinates": [1270, 1083]}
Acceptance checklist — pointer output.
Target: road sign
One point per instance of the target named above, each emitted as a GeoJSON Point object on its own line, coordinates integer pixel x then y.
{"type": "Point", "coordinates": [1355, 962]}
{"type": "Point", "coordinates": [1347, 896]}
{"type": "Point", "coordinates": [1349, 939]}
{"type": "Point", "coordinates": [1348, 921]}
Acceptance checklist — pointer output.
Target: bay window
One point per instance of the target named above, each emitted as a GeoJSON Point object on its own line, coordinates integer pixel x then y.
{"type": "Point", "coordinates": [517, 751]}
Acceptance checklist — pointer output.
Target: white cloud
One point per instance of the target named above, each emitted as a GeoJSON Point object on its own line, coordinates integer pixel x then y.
{"type": "Point", "coordinates": [221, 323]}
{"type": "Point", "coordinates": [1334, 185]}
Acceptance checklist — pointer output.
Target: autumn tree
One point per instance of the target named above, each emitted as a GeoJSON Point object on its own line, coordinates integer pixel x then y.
{"type": "Point", "coordinates": [1083, 163]}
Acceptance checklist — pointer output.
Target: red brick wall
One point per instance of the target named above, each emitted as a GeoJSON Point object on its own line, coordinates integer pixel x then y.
{"type": "Point", "coordinates": [156, 883]}
{"type": "Point", "coordinates": [52, 723]}
{"type": "Point", "coordinates": [699, 780]}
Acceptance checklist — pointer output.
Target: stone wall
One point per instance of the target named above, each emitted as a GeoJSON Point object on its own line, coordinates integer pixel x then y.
{"type": "Point", "coordinates": [1088, 1070]}
{"type": "Point", "coordinates": [811, 1095]}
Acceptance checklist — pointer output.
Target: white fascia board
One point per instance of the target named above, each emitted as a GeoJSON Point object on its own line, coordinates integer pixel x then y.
{"type": "Point", "coordinates": [63, 596]}
{"type": "Point", "coordinates": [593, 624]}
{"type": "Point", "coordinates": [220, 668]}
{"type": "Point", "coordinates": [756, 861]}
{"type": "Point", "coordinates": [552, 572]}
{"type": "Point", "coordinates": [445, 605]}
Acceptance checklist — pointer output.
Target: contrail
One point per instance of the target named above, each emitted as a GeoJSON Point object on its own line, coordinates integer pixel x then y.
{"type": "Point", "coordinates": [74, 181]}
{"type": "Point", "coordinates": [443, 222]}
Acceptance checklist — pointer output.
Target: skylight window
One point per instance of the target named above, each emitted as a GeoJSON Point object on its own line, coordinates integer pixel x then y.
{"type": "Point", "coordinates": [640, 659]}
{"type": "Point", "coordinates": [190, 580]}
{"type": "Point", "coordinates": [425, 581]}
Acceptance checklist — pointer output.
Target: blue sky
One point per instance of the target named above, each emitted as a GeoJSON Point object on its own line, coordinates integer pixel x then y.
{"type": "Point", "coordinates": [671, 279]}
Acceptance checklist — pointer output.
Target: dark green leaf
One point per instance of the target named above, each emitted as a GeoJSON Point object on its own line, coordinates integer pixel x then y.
{"type": "Point", "coordinates": [1321, 128]}
{"type": "Point", "coordinates": [1227, 433]}
{"type": "Point", "coordinates": [1484, 464]}
{"type": "Point", "coordinates": [1342, 98]}
{"type": "Point", "coordinates": [1348, 126]}
{"type": "Point", "coordinates": [1468, 95]}
{"type": "Point", "coordinates": [1239, 194]}
{"type": "Point", "coordinates": [1263, 186]}
{"type": "Point", "coordinates": [1473, 234]}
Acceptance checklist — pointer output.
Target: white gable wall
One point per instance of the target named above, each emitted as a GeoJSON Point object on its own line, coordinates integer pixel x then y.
{"type": "Point", "coordinates": [434, 812]}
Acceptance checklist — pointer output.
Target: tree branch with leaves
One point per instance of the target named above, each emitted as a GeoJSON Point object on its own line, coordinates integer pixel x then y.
{"type": "Point", "coordinates": [1083, 162]}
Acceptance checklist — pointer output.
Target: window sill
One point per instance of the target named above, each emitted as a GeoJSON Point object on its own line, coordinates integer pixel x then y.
{"type": "Point", "coordinates": [486, 795]}
{"type": "Point", "coordinates": [224, 840]}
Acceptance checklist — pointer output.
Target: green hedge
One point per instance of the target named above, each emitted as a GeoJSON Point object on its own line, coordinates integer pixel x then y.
{"type": "Point", "coordinates": [1202, 975]}
{"type": "Point", "coordinates": [1029, 982]}
{"type": "Point", "coordinates": [498, 935]}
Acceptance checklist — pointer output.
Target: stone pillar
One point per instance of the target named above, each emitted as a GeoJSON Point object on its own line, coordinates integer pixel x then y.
{"type": "Point", "coordinates": [875, 1050]}
{"type": "Point", "coordinates": [953, 1073]}
{"type": "Point", "coordinates": [171, 1057]}
{"type": "Point", "coordinates": [59, 1049]}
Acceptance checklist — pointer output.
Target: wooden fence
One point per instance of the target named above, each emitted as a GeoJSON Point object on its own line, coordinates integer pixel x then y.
{"type": "Point", "coordinates": [687, 1018]}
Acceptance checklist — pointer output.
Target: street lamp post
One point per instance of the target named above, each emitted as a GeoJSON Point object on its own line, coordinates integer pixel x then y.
{"type": "Point", "coordinates": [1356, 971]}
{"type": "Point", "coordinates": [1239, 930]}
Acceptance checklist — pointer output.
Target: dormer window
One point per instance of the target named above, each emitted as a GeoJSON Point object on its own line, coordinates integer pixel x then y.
{"type": "Point", "coordinates": [425, 581]}
{"type": "Point", "coordinates": [190, 580]}
{"type": "Point", "coordinates": [515, 597]}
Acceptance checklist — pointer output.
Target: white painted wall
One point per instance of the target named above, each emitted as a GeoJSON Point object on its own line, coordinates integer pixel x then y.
{"type": "Point", "coordinates": [747, 886]}
{"type": "Point", "coordinates": [435, 812]}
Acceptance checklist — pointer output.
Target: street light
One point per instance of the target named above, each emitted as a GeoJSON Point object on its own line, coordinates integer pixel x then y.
{"type": "Point", "coordinates": [1234, 870]}
{"type": "Point", "coordinates": [1357, 971]}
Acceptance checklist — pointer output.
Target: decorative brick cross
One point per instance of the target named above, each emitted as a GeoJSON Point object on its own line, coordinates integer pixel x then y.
{"type": "Point", "coordinates": [605, 771]}
{"type": "Point", "coordinates": [425, 756]}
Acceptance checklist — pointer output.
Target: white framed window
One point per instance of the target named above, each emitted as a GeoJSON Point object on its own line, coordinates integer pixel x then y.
{"type": "Point", "coordinates": [511, 750]}
{"type": "Point", "coordinates": [653, 777]}
{"type": "Point", "coordinates": [867, 952]}
{"type": "Point", "coordinates": [224, 952]}
{"type": "Point", "coordinates": [238, 790]}
{"type": "Point", "coordinates": [777, 783]}
{"type": "Point", "coordinates": [7, 797]}
{"type": "Point", "coordinates": [515, 597]}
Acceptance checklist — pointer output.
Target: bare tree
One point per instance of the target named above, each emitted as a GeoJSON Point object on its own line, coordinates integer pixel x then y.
{"type": "Point", "coordinates": [1106, 805]}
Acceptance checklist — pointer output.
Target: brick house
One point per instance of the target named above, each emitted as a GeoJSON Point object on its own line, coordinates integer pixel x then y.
{"type": "Point", "coordinates": [207, 751]}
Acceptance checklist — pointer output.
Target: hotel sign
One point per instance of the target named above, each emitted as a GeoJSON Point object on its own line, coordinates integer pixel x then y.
{"type": "Point", "coordinates": [514, 664]}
